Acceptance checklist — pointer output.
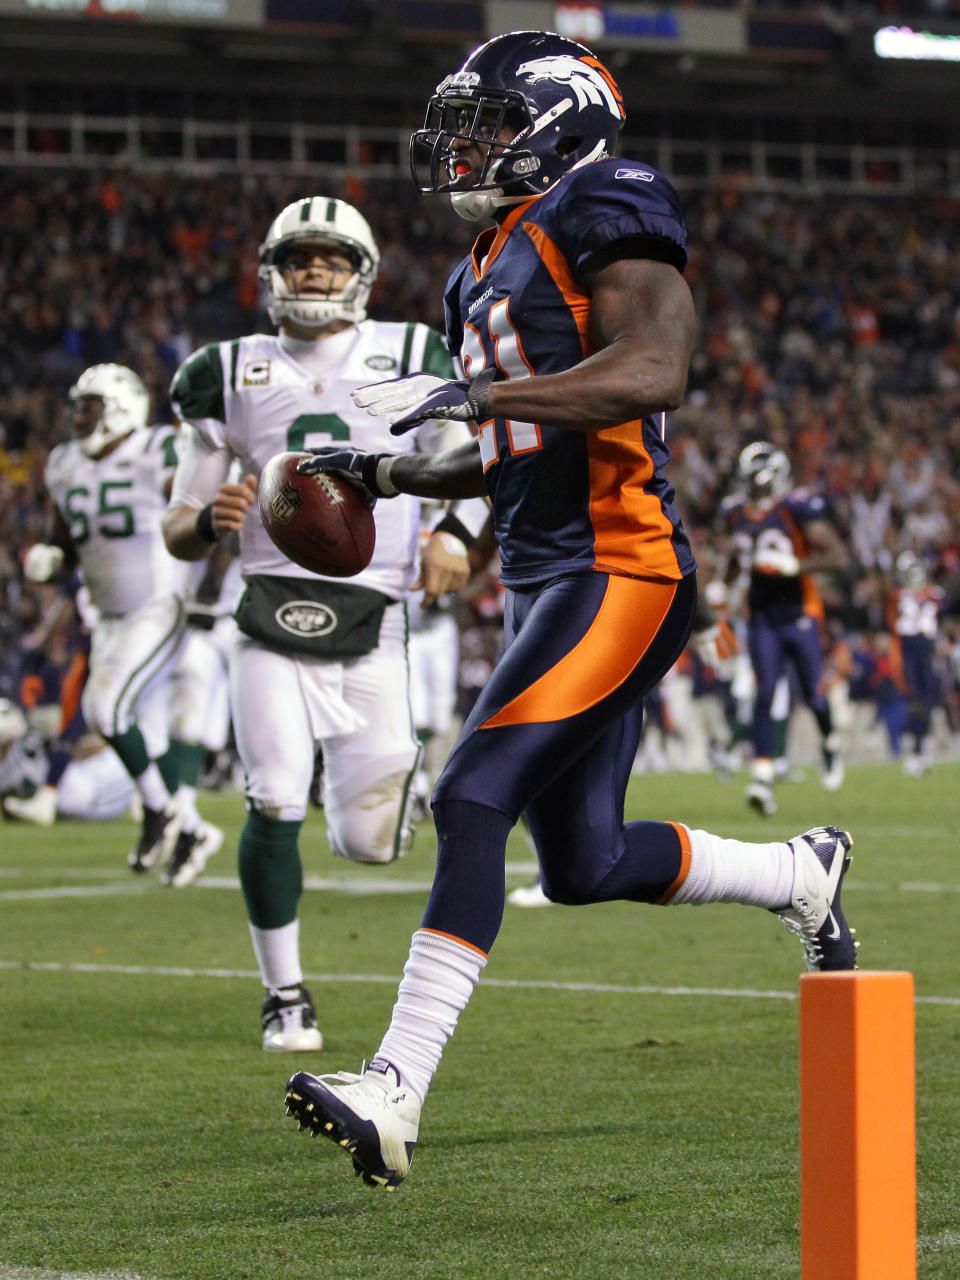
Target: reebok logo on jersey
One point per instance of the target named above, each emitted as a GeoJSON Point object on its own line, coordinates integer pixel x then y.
{"type": "Point", "coordinates": [256, 373]}
{"type": "Point", "coordinates": [306, 618]}
{"type": "Point", "coordinates": [641, 175]}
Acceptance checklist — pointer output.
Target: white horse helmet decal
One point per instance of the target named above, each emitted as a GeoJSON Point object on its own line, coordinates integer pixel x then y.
{"type": "Point", "coordinates": [586, 80]}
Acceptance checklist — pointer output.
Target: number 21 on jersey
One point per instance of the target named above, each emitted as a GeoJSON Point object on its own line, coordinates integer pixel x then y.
{"type": "Point", "coordinates": [502, 348]}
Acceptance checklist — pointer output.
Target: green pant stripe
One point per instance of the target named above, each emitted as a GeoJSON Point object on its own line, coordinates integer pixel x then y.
{"type": "Point", "coordinates": [147, 669]}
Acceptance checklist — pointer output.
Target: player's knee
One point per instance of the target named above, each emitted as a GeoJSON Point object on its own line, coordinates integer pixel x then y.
{"type": "Point", "coordinates": [365, 841]}
{"type": "Point", "coordinates": [276, 807]}
{"type": "Point", "coordinates": [568, 890]}
{"type": "Point", "coordinates": [99, 711]}
{"type": "Point", "coordinates": [373, 826]}
{"type": "Point", "coordinates": [571, 874]}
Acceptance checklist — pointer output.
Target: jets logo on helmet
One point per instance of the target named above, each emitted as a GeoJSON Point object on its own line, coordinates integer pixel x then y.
{"type": "Point", "coordinates": [333, 224]}
{"type": "Point", "coordinates": [536, 104]}
{"type": "Point", "coordinates": [125, 404]}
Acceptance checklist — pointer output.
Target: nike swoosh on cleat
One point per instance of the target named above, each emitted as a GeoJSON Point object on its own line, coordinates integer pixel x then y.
{"type": "Point", "coordinates": [832, 937]}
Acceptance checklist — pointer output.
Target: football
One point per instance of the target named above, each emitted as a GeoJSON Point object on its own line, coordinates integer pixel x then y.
{"type": "Point", "coordinates": [321, 522]}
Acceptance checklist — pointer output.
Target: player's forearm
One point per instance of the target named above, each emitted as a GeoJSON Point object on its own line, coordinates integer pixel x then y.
{"type": "Point", "coordinates": [180, 534]}
{"type": "Point", "coordinates": [827, 553]}
{"type": "Point", "coordinates": [612, 386]}
{"type": "Point", "coordinates": [456, 473]}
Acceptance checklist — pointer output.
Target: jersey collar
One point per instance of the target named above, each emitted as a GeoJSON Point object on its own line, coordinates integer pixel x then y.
{"type": "Point", "coordinates": [490, 242]}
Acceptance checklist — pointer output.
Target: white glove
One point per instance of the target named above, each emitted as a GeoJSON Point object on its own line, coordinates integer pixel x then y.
{"type": "Point", "coordinates": [43, 562]}
{"type": "Point", "coordinates": [717, 646]}
{"type": "Point", "coordinates": [410, 400]}
{"type": "Point", "coordinates": [773, 561]}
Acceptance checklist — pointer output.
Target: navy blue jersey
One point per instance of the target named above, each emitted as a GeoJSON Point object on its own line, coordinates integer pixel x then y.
{"type": "Point", "coordinates": [568, 500]}
{"type": "Point", "coordinates": [780, 527]}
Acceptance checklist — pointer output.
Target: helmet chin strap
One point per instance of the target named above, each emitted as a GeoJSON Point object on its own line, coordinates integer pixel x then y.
{"type": "Point", "coordinates": [474, 205]}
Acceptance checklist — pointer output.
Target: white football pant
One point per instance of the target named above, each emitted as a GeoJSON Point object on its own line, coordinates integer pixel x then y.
{"type": "Point", "coordinates": [131, 661]}
{"type": "Point", "coordinates": [357, 710]}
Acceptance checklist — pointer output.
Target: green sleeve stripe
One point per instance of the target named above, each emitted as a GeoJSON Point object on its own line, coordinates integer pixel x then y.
{"type": "Point", "coordinates": [436, 357]}
{"type": "Point", "coordinates": [170, 450]}
{"type": "Point", "coordinates": [197, 389]}
{"type": "Point", "coordinates": [407, 344]}
{"type": "Point", "coordinates": [234, 358]}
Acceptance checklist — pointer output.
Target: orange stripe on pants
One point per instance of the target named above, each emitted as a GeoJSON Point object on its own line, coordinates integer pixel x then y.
{"type": "Point", "coordinates": [627, 621]}
{"type": "Point", "coordinates": [71, 690]}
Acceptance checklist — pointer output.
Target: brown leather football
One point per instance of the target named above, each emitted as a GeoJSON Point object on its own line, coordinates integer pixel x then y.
{"type": "Point", "coordinates": [320, 522]}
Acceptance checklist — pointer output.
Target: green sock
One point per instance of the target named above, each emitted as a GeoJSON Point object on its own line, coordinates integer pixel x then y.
{"type": "Point", "coordinates": [132, 750]}
{"type": "Point", "coordinates": [271, 873]}
{"type": "Point", "coordinates": [190, 758]}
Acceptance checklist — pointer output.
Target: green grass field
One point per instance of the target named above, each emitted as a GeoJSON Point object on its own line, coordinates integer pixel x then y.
{"type": "Point", "coordinates": [620, 1099]}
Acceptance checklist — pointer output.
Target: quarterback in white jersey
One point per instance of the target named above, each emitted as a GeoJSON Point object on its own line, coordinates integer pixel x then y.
{"type": "Point", "coordinates": [109, 485]}
{"type": "Point", "coordinates": [345, 688]}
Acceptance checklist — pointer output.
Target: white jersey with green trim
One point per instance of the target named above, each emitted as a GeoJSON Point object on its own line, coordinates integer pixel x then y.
{"type": "Point", "coordinates": [250, 398]}
{"type": "Point", "coordinates": [112, 507]}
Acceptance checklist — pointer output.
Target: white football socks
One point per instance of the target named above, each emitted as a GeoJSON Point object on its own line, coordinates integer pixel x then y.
{"type": "Point", "coordinates": [152, 788]}
{"type": "Point", "coordinates": [278, 955]}
{"type": "Point", "coordinates": [186, 802]}
{"type": "Point", "coordinates": [758, 875]}
{"type": "Point", "coordinates": [438, 980]}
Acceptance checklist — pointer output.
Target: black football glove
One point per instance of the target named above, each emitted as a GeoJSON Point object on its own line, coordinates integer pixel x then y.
{"type": "Point", "coordinates": [353, 464]}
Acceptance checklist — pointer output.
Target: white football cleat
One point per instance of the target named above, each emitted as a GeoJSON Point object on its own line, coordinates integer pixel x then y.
{"type": "Point", "coordinates": [759, 796]}
{"type": "Point", "coordinates": [289, 1022]}
{"type": "Point", "coordinates": [529, 895]}
{"type": "Point", "coordinates": [832, 770]}
{"type": "Point", "coordinates": [158, 835]}
{"type": "Point", "coordinates": [819, 864]}
{"type": "Point", "coordinates": [831, 779]}
{"type": "Point", "coordinates": [40, 808]}
{"type": "Point", "coordinates": [190, 854]}
{"type": "Point", "coordinates": [374, 1116]}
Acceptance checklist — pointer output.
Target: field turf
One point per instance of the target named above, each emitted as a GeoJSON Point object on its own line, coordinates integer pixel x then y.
{"type": "Point", "coordinates": [620, 1099]}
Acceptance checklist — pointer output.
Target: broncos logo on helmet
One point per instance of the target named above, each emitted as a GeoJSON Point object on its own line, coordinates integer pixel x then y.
{"type": "Point", "coordinates": [584, 76]}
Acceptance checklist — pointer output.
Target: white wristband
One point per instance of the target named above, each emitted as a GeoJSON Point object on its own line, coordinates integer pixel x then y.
{"type": "Point", "coordinates": [384, 483]}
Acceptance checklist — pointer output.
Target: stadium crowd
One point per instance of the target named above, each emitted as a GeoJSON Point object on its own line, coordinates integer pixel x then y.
{"type": "Point", "coordinates": [829, 325]}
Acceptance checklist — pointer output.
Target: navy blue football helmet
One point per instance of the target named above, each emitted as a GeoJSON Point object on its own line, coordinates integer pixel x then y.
{"type": "Point", "coordinates": [563, 104]}
{"type": "Point", "coordinates": [765, 471]}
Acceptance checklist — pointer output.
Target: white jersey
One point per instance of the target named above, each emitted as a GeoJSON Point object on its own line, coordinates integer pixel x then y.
{"type": "Point", "coordinates": [249, 399]}
{"type": "Point", "coordinates": [112, 507]}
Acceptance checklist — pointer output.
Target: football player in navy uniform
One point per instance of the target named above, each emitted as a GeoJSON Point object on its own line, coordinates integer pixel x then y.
{"type": "Point", "coordinates": [781, 536]}
{"type": "Point", "coordinates": [913, 611]}
{"type": "Point", "coordinates": [574, 326]}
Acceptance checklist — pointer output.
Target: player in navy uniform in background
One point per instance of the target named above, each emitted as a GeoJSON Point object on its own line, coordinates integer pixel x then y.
{"type": "Point", "coordinates": [781, 536]}
{"type": "Point", "coordinates": [913, 612]}
{"type": "Point", "coordinates": [575, 327]}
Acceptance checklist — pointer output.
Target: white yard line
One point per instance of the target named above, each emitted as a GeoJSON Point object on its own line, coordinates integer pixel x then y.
{"type": "Point", "coordinates": [34, 1273]}
{"type": "Point", "coordinates": [512, 984]}
{"type": "Point", "coordinates": [365, 886]}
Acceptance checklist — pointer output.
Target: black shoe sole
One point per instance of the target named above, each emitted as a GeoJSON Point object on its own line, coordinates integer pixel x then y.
{"type": "Point", "coordinates": [326, 1116]}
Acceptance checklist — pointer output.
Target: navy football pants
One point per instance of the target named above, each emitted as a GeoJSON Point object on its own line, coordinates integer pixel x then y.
{"type": "Point", "coordinates": [553, 736]}
{"type": "Point", "coordinates": [770, 644]}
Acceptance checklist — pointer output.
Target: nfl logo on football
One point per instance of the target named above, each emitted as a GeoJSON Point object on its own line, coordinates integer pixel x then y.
{"type": "Point", "coordinates": [285, 503]}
